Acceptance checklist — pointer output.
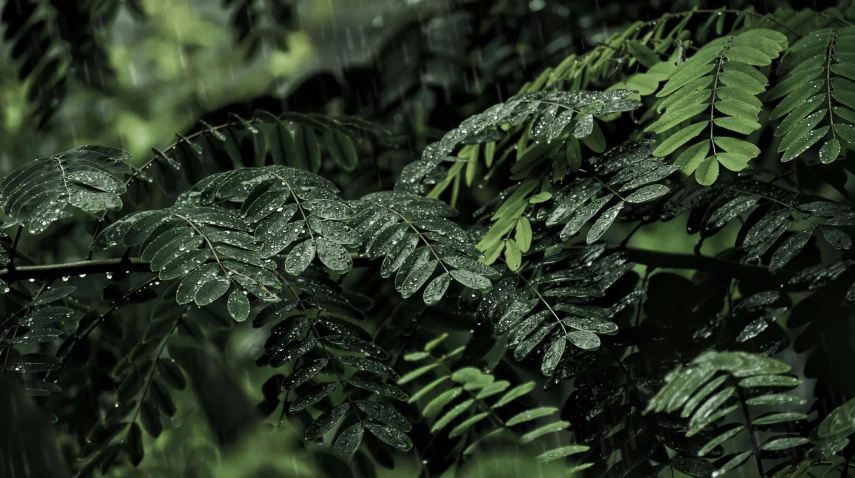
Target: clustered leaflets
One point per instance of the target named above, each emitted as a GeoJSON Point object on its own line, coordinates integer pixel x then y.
{"type": "Point", "coordinates": [554, 111]}
{"type": "Point", "coordinates": [315, 329]}
{"type": "Point", "coordinates": [717, 383]}
{"type": "Point", "coordinates": [87, 177]}
{"type": "Point", "coordinates": [223, 235]}
{"type": "Point", "coordinates": [628, 174]}
{"type": "Point", "coordinates": [778, 221]}
{"type": "Point", "coordinates": [292, 139]}
{"type": "Point", "coordinates": [828, 438]}
{"type": "Point", "coordinates": [816, 88]}
{"type": "Point", "coordinates": [551, 310]}
{"type": "Point", "coordinates": [40, 320]}
{"type": "Point", "coordinates": [308, 326]}
{"type": "Point", "coordinates": [719, 85]}
{"type": "Point", "coordinates": [50, 56]}
{"type": "Point", "coordinates": [261, 26]}
{"type": "Point", "coordinates": [625, 174]}
{"type": "Point", "coordinates": [473, 406]}
{"type": "Point", "coordinates": [143, 400]}
{"type": "Point", "coordinates": [415, 238]}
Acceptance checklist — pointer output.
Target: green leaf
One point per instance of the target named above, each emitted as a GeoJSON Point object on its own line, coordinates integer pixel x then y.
{"type": "Point", "coordinates": [561, 452]}
{"type": "Point", "coordinates": [603, 222]}
{"type": "Point", "coordinates": [718, 440]}
{"type": "Point", "coordinates": [333, 255]}
{"type": "Point", "coordinates": [802, 129]}
{"type": "Point", "coordinates": [312, 395]}
{"type": "Point", "coordinates": [341, 149]}
{"type": "Point", "coordinates": [452, 414]}
{"type": "Point", "coordinates": [544, 430]}
{"type": "Point", "coordinates": [584, 340]}
{"type": "Point", "coordinates": [384, 413]}
{"type": "Point", "coordinates": [238, 305]}
{"type": "Point", "coordinates": [847, 132]}
{"type": "Point", "coordinates": [471, 279]}
{"type": "Point", "coordinates": [739, 79]}
{"type": "Point", "coordinates": [797, 98]}
{"type": "Point", "coordinates": [733, 463]}
{"type": "Point", "coordinates": [417, 277]}
{"type": "Point", "coordinates": [300, 257]}
{"type": "Point", "coordinates": [792, 246]}
{"type": "Point", "coordinates": [426, 389]}
{"type": "Point", "coordinates": [389, 435]}
{"type": "Point", "coordinates": [348, 442]}
{"type": "Point", "coordinates": [840, 422]}
{"type": "Point", "coordinates": [540, 197]}
{"type": "Point", "coordinates": [783, 443]}
{"type": "Point", "coordinates": [804, 143]}
{"type": "Point", "coordinates": [707, 171]}
{"type": "Point", "coordinates": [513, 257]}
{"type": "Point", "coordinates": [436, 289]}
{"type": "Point", "coordinates": [776, 399]}
{"type": "Point", "coordinates": [467, 424]}
{"type": "Point", "coordinates": [679, 138]}
{"type": "Point", "coordinates": [738, 146]}
{"type": "Point", "coordinates": [553, 356]}
{"type": "Point", "coordinates": [781, 417]}
{"type": "Point", "coordinates": [211, 289]}
{"type": "Point", "coordinates": [647, 193]}
{"type": "Point", "coordinates": [733, 161]}
{"type": "Point", "coordinates": [514, 394]}
{"type": "Point", "coordinates": [414, 374]}
{"type": "Point", "coordinates": [673, 118]}
{"type": "Point", "coordinates": [326, 421]}
{"type": "Point", "coordinates": [439, 402]}
{"type": "Point", "coordinates": [747, 55]}
{"type": "Point", "coordinates": [642, 53]}
{"type": "Point", "coordinates": [739, 125]}
{"type": "Point", "coordinates": [738, 109]}
{"type": "Point", "coordinates": [692, 157]}
{"type": "Point", "coordinates": [829, 151]}
{"type": "Point", "coordinates": [522, 234]}
{"type": "Point", "coordinates": [529, 415]}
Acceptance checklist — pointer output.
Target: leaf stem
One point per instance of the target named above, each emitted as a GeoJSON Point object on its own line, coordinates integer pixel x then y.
{"type": "Point", "coordinates": [14, 250]}
{"type": "Point", "coordinates": [755, 448]}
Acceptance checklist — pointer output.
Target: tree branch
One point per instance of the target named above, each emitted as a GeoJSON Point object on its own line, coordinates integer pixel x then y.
{"type": "Point", "coordinates": [648, 257]}
{"type": "Point", "coordinates": [53, 271]}
{"type": "Point", "coordinates": [736, 270]}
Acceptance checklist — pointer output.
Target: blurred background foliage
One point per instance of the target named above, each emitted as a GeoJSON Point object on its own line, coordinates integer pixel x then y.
{"type": "Point", "coordinates": [417, 67]}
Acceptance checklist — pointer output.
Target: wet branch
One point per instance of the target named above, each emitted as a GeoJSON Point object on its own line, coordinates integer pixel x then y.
{"type": "Point", "coordinates": [648, 257]}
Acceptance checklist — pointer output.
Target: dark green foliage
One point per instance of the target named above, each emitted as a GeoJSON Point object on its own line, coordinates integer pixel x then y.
{"type": "Point", "coordinates": [525, 284]}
